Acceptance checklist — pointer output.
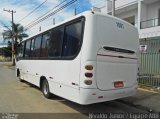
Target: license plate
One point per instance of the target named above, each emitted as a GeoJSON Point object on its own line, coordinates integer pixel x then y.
{"type": "Point", "coordinates": [118, 84]}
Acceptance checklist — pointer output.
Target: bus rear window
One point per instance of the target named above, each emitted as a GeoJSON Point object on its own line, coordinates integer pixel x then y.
{"type": "Point", "coordinates": [72, 40]}
{"type": "Point", "coordinates": [113, 49]}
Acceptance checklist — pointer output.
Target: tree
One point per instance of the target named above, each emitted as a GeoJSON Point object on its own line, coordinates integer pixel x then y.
{"type": "Point", "coordinates": [16, 36]}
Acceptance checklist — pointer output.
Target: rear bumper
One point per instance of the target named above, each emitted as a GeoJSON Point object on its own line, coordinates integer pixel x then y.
{"type": "Point", "coordinates": [89, 96]}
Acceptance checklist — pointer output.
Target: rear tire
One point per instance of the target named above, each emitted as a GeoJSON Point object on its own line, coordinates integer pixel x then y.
{"type": "Point", "coordinates": [45, 89]}
{"type": "Point", "coordinates": [19, 76]}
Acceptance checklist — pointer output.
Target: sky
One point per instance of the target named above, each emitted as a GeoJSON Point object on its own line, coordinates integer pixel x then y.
{"type": "Point", "coordinates": [23, 7]}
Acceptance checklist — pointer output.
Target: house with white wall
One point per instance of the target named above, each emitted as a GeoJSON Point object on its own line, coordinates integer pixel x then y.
{"type": "Point", "coordinates": [144, 14]}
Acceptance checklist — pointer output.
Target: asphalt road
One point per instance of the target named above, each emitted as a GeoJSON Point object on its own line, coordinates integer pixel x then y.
{"type": "Point", "coordinates": [17, 97]}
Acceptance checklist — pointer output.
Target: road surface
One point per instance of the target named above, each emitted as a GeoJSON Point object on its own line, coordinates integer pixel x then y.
{"type": "Point", "coordinates": [17, 97]}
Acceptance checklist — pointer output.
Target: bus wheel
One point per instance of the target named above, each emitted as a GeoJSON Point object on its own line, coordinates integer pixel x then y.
{"type": "Point", "coordinates": [19, 75]}
{"type": "Point", "coordinates": [45, 89]}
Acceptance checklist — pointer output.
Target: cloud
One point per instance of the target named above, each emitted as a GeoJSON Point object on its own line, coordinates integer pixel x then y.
{"type": "Point", "coordinates": [60, 16]}
{"type": "Point", "coordinates": [23, 7]}
{"type": "Point", "coordinates": [98, 3]}
{"type": "Point", "coordinates": [48, 23]}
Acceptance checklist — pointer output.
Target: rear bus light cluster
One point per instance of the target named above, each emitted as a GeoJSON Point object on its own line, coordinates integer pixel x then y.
{"type": "Point", "coordinates": [89, 67]}
{"type": "Point", "coordinates": [88, 74]}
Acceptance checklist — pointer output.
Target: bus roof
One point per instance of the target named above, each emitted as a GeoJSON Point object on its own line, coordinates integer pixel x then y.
{"type": "Point", "coordinates": [86, 13]}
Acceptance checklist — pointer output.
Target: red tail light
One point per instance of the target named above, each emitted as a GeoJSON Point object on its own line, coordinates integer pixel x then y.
{"type": "Point", "coordinates": [89, 75]}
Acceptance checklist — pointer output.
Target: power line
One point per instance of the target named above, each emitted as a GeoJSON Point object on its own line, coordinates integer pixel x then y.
{"type": "Point", "coordinates": [32, 11]}
{"type": "Point", "coordinates": [52, 13]}
{"type": "Point", "coordinates": [46, 13]}
{"type": "Point", "coordinates": [56, 11]}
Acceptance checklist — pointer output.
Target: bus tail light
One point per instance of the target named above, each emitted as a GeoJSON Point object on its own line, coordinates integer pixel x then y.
{"type": "Point", "coordinates": [89, 67]}
{"type": "Point", "coordinates": [88, 82]}
{"type": "Point", "coordinates": [89, 75]}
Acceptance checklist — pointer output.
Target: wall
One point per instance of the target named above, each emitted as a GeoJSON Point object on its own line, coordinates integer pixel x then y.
{"type": "Point", "coordinates": [128, 14]}
{"type": "Point", "coordinates": [123, 3]}
{"type": "Point", "coordinates": [153, 10]}
{"type": "Point", "coordinates": [118, 5]}
{"type": "Point", "coordinates": [149, 32]}
{"type": "Point", "coordinates": [143, 11]}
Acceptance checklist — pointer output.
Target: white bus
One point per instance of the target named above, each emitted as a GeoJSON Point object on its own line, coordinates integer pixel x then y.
{"type": "Point", "coordinates": [87, 59]}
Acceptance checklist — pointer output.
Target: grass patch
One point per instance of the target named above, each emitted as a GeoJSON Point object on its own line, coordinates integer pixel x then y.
{"type": "Point", "coordinates": [4, 59]}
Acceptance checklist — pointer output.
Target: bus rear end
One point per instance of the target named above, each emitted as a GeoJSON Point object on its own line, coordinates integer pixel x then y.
{"type": "Point", "coordinates": [115, 63]}
{"type": "Point", "coordinates": [116, 58]}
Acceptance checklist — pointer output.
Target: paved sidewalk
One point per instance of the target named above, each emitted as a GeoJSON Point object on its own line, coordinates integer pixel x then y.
{"type": "Point", "coordinates": [7, 65]}
{"type": "Point", "coordinates": [146, 99]}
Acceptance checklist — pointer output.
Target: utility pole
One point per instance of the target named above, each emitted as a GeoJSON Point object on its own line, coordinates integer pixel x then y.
{"type": "Point", "coordinates": [13, 50]}
{"type": "Point", "coordinates": [113, 7]}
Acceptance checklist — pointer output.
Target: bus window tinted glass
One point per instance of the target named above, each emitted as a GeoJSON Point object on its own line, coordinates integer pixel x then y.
{"type": "Point", "coordinates": [21, 50]}
{"type": "Point", "coordinates": [27, 49]}
{"type": "Point", "coordinates": [55, 42]}
{"type": "Point", "coordinates": [72, 39]}
{"type": "Point", "coordinates": [37, 46]}
{"type": "Point", "coordinates": [32, 48]}
{"type": "Point", "coordinates": [44, 49]}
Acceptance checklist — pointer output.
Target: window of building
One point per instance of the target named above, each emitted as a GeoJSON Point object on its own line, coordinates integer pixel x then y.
{"type": "Point", "coordinates": [72, 39]}
{"type": "Point", "coordinates": [44, 49]}
{"type": "Point", "coordinates": [37, 46]}
{"type": "Point", "coordinates": [55, 42]}
{"type": "Point", "coordinates": [27, 48]}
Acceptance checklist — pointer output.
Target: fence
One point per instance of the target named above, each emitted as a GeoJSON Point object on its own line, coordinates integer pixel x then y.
{"type": "Point", "coordinates": [149, 63]}
{"type": "Point", "coordinates": [150, 23]}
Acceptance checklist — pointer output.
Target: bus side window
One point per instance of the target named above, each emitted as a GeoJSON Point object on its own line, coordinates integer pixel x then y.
{"type": "Point", "coordinates": [32, 48]}
{"type": "Point", "coordinates": [72, 39]}
{"type": "Point", "coordinates": [21, 50]}
{"type": "Point", "coordinates": [55, 42]}
{"type": "Point", "coordinates": [37, 46]}
{"type": "Point", "coordinates": [44, 49]}
{"type": "Point", "coordinates": [27, 48]}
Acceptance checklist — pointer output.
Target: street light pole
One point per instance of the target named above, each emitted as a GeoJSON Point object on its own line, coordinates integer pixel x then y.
{"type": "Point", "coordinates": [13, 50]}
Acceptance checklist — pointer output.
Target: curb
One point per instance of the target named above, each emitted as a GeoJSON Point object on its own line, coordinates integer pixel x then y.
{"type": "Point", "coordinates": [137, 106]}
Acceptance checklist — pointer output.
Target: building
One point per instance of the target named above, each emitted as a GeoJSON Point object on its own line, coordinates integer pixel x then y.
{"type": "Point", "coordinates": [145, 15]}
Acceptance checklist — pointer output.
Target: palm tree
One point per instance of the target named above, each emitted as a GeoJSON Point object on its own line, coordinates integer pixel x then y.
{"type": "Point", "coordinates": [16, 35]}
